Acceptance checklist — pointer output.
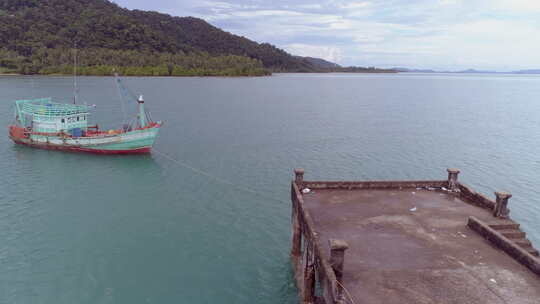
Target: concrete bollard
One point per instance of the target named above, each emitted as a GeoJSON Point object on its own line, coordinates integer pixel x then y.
{"type": "Point", "coordinates": [299, 176]}
{"type": "Point", "coordinates": [501, 205]}
{"type": "Point", "coordinates": [337, 256]}
{"type": "Point", "coordinates": [337, 259]}
{"type": "Point", "coordinates": [452, 179]}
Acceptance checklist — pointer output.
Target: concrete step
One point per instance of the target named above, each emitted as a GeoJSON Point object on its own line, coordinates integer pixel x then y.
{"type": "Point", "coordinates": [523, 243]}
{"type": "Point", "coordinates": [512, 233]}
{"type": "Point", "coordinates": [533, 251]}
{"type": "Point", "coordinates": [527, 245]}
{"type": "Point", "coordinates": [503, 225]}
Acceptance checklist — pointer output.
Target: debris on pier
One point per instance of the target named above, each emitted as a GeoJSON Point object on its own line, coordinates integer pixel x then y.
{"type": "Point", "coordinates": [408, 242]}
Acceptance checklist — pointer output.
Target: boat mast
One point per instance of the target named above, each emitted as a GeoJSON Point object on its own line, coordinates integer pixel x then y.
{"type": "Point", "coordinates": [75, 73]}
{"type": "Point", "coordinates": [120, 89]}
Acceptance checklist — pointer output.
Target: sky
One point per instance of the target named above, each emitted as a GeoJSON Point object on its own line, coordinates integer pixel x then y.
{"type": "Point", "coordinates": [501, 35]}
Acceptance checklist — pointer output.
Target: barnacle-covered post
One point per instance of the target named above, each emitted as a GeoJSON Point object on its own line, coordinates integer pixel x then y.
{"type": "Point", "coordinates": [452, 179]}
{"type": "Point", "coordinates": [337, 260]}
{"type": "Point", "coordinates": [296, 233]}
{"type": "Point", "coordinates": [309, 272]}
{"type": "Point", "coordinates": [299, 177]}
{"type": "Point", "coordinates": [501, 205]}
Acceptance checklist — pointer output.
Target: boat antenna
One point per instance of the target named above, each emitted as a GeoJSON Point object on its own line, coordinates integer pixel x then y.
{"type": "Point", "coordinates": [75, 89]}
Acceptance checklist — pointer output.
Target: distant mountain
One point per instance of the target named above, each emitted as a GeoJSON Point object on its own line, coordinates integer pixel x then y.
{"type": "Point", "coordinates": [320, 63]}
{"type": "Point", "coordinates": [331, 67]}
{"type": "Point", "coordinates": [406, 70]}
{"type": "Point", "coordinates": [467, 71]}
{"type": "Point", "coordinates": [533, 71]}
{"type": "Point", "coordinates": [473, 71]}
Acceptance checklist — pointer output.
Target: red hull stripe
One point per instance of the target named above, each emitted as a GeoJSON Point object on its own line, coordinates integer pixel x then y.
{"type": "Point", "coordinates": [143, 150]}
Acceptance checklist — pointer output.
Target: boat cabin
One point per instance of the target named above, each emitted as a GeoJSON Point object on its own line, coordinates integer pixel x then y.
{"type": "Point", "coordinates": [44, 116]}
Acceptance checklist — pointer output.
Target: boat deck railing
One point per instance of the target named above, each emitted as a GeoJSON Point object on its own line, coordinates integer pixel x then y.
{"type": "Point", "coordinates": [46, 107]}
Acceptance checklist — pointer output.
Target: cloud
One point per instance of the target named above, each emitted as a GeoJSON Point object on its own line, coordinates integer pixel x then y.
{"type": "Point", "coordinates": [354, 5]}
{"type": "Point", "coordinates": [527, 6]}
{"type": "Point", "coordinates": [443, 34]}
{"type": "Point", "coordinates": [310, 6]}
{"type": "Point", "coordinates": [449, 2]}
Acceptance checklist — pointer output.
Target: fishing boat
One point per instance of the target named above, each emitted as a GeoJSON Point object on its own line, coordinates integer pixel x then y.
{"type": "Point", "coordinates": [42, 123]}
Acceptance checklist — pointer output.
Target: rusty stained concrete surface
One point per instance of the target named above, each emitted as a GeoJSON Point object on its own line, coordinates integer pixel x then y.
{"type": "Point", "coordinates": [428, 255]}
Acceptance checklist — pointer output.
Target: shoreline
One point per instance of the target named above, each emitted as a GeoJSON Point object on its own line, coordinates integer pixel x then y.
{"type": "Point", "coordinates": [162, 76]}
{"type": "Point", "coordinates": [221, 76]}
{"type": "Point", "coordinates": [269, 75]}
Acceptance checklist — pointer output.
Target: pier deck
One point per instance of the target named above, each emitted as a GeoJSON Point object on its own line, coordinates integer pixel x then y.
{"type": "Point", "coordinates": [398, 242]}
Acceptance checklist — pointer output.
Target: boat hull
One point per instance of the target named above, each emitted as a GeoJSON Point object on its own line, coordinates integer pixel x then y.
{"type": "Point", "coordinates": [138, 141]}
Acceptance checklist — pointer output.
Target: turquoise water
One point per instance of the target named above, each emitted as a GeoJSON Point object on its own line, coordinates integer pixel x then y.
{"type": "Point", "coordinates": [77, 228]}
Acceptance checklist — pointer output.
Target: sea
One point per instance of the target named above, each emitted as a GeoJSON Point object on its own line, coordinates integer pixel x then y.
{"type": "Point", "coordinates": [206, 217]}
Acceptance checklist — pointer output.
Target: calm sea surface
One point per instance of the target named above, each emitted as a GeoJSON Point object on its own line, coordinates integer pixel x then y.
{"type": "Point", "coordinates": [77, 228]}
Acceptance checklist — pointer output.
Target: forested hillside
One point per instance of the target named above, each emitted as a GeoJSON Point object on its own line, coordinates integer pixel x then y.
{"type": "Point", "coordinates": [41, 37]}
{"type": "Point", "coordinates": [38, 36]}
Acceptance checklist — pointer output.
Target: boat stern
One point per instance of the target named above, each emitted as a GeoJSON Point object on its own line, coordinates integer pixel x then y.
{"type": "Point", "coordinates": [17, 133]}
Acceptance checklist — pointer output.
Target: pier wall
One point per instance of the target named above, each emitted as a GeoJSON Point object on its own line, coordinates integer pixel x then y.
{"type": "Point", "coordinates": [318, 274]}
{"type": "Point", "coordinates": [310, 268]}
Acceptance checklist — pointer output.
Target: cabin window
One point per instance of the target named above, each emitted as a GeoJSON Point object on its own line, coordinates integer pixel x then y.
{"type": "Point", "coordinates": [77, 118]}
{"type": "Point", "coordinates": [63, 120]}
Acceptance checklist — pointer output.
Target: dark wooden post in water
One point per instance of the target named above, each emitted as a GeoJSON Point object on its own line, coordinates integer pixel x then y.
{"type": "Point", "coordinates": [452, 179]}
{"type": "Point", "coordinates": [296, 237]}
{"type": "Point", "coordinates": [337, 259]}
{"type": "Point", "coordinates": [309, 274]}
{"type": "Point", "coordinates": [501, 205]}
{"type": "Point", "coordinates": [296, 234]}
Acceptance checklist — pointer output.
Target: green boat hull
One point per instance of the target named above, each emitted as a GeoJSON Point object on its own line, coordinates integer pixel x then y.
{"type": "Point", "coordinates": [132, 142]}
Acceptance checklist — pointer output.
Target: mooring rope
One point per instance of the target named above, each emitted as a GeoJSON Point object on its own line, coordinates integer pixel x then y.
{"type": "Point", "coordinates": [218, 179]}
{"type": "Point", "coordinates": [348, 293]}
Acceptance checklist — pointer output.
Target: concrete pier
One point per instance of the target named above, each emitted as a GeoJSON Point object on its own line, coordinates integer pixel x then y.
{"type": "Point", "coordinates": [434, 241]}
